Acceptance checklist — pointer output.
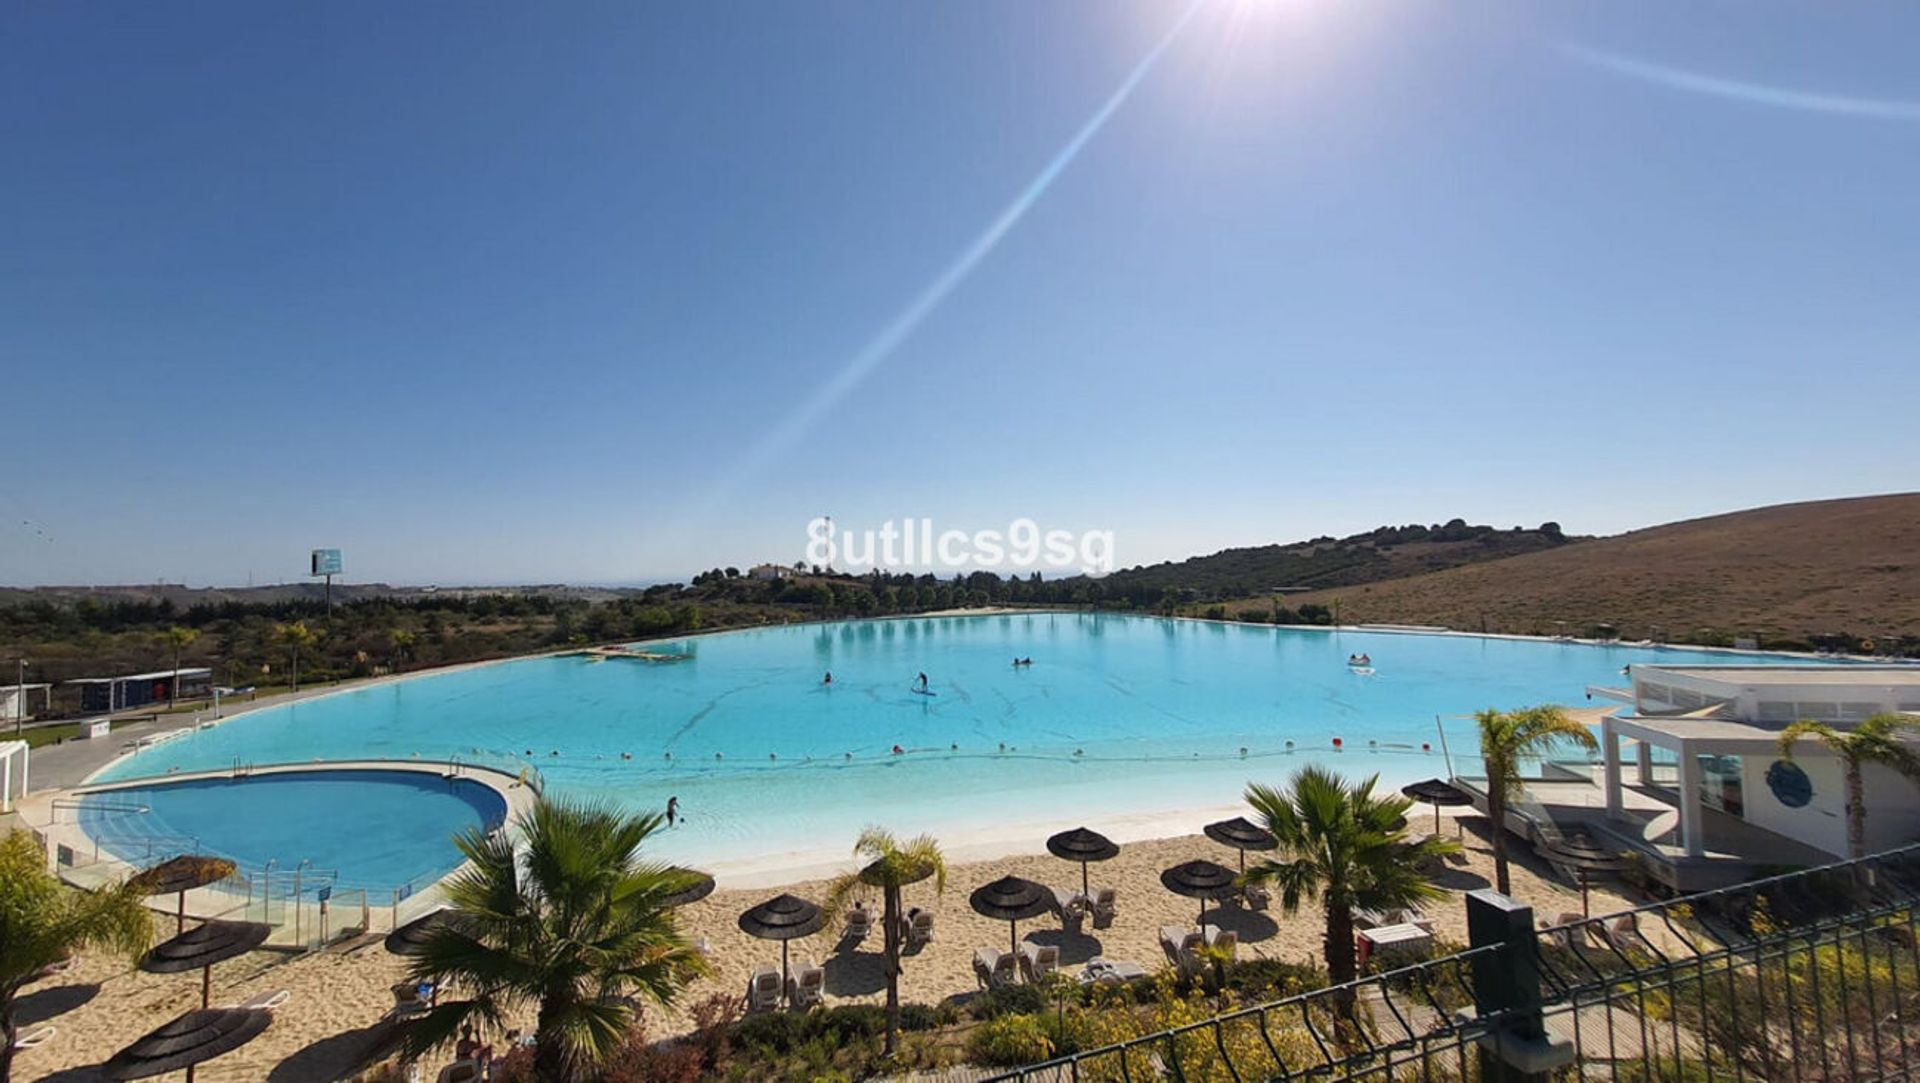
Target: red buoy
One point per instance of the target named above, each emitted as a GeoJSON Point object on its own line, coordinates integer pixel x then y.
{"type": "Point", "coordinates": [1425, 747]}
{"type": "Point", "coordinates": [1336, 742]}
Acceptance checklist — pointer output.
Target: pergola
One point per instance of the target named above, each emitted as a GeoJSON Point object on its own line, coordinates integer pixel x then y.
{"type": "Point", "coordinates": [1689, 737]}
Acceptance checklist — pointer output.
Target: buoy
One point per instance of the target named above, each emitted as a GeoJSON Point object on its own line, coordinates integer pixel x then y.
{"type": "Point", "coordinates": [1425, 747]}
{"type": "Point", "coordinates": [1243, 750]}
{"type": "Point", "coordinates": [1371, 743]}
{"type": "Point", "coordinates": [1289, 746]}
{"type": "Point", "coordinates": [1082, 752]}
{"type": "Point", "coordinates": [954, 747]}
{"type": "Point", "coordinates": [1337, 742]}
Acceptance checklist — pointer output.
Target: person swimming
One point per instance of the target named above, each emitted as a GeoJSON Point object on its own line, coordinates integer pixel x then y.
{"type": "Point", "coordinates": [828, 679]}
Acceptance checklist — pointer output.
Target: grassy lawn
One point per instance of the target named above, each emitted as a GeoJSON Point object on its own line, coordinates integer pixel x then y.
{"type": "Point", "coordinates": [46, 735]}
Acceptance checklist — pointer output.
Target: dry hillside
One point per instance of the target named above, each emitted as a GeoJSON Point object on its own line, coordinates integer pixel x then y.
{"type": "Point", "coordinates": [1792, 572]}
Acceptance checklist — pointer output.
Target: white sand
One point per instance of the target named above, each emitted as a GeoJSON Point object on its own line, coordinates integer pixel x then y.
{"type": "Point", "coordinates": [336, 996]}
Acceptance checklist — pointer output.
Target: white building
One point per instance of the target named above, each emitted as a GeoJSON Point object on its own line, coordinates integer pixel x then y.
{"type": "Point", "coordinates": [1705, 742]}
{"type": "Point", "coordinates": [17, 700]}
{"type": "Point", "coordinates": [770, 571]}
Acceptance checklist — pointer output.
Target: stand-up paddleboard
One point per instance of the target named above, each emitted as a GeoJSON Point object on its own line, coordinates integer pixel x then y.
{"type": "Point", "coordinates": [922, 692]}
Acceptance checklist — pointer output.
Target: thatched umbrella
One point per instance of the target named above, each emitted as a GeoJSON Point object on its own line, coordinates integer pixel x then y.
{"type": "Point", "coordinates": [1438, 793]}
{"type": "Point", "coordinates": [696, 885]}
{"type": "Point", "coordinates": [179, 875]}
{"type": "Point", "coordinates": [1011, 899]}
{"type": "Point", "coordinates": [1201, 880]}
{"type": "Point", "coordinates": [187, 1041]}
{"type": "Point", "coordinates": [783, 918]}
{"type": "Point", "coordinates": [1083, 845]}
{"type": "Point", "coordinates": [202, 946]}
{"type": "Point", "coordinates": [1242, 835]}
{"type": "Point", "coordinates": [1586, 857]}
{"type": "Point", "coordinates": [408, 939]}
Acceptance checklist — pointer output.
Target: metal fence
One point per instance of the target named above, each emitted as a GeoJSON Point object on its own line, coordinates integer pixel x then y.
{"type": "Point", "coordinates": [1809, 976]}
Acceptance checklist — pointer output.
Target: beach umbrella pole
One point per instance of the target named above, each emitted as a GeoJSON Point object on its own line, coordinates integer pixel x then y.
{"type": "Point", "coordinates": [1013, 937]}
{"type": "Point", "coordinates": [1084, 882]}
{"type": "Point", "coordinates": [206, 986]}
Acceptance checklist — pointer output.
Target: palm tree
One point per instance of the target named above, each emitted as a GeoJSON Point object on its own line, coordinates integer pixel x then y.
{"type": "Point", "coordinates": [1506, 738]}
{"type": "Point", "coordinates": [179, 639]}
{"type": "Point", "coordinates": [43, 922]}
{"type": "Point", "coordinates": [402, 641]}
{"type": "Point", "coordinates": [890, 864]}
{"type": "Point", "coordinates": [1345, 845]}
{"type": "Point", "coordinates": [573, 925]}
{"type": "Point", "coordinates": [295, 635]}
{"type": "Point", "coordinates": [1877, 740]}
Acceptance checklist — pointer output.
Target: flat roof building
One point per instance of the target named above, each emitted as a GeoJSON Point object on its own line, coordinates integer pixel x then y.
{"type": "Point", "coordinates": [1707, 742]}
{"type": "Point", "coordinates": [107, 694]}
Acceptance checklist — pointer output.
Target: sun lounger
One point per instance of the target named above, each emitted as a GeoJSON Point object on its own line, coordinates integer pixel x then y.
{"type": "Point", "coordinates": [1038, 960]}
{"type": "Point", "coordinates": [859, 922]}
{"type": "Point", "coordinates": [1182, 947]}
{"type": "Point", "coordinates": [462, 1071]}
{"type": "Point", "coordinates": [919, 928]}
{"type": "Point", "coordinates": [704, 947]}
{"type": "Point", "coordinates": [994, 969]}
{"type": "Point", "coordinates": [1071, 908]}
{"type": "Point", "coordinates": [1106, 903]}
{"type": "Point", "coordinates": [1258, 898]}
{"type": "Point", "coordinates": [1223, 940]}
{"type": "Point", "coordinates": [763, 990]}
{"type": "Point", "coordinates": [409, 1001]}
{"type": "Point", "coordinates": [807, 986]}
{"type": "Point", "coordinates": [1104, 971]}
{"type": "Point", "coordinates": [38, 1037]}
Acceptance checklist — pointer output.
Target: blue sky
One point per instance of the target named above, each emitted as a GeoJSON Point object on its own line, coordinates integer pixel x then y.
{"type": "Point", "coordinates": [499, 292]}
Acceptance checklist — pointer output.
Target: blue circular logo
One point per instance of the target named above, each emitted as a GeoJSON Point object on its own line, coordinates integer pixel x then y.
{"type": "Point", "coordinates": [1789, 784]}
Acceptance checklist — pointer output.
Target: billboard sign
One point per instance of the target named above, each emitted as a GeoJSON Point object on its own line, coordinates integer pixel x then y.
{"type": "Point", "coordinates": [326, 562]}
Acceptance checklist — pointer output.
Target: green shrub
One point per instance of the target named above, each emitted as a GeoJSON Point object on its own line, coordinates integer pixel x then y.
{"type": "Point", "coordinates": [1009, 1000]}
{"type": "Point", "coordinates": [920, 1017]}
{"type": "Point", "coordinates": [1009, 1041]}
{"type": "Point", "coordinates": [1256, 980]}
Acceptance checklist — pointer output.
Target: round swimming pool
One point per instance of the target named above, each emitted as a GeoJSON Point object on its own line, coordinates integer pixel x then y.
{"type": "Point", "coordinates": [1115, 715]}
{"type": "Point", "coordinates": [380, 830]}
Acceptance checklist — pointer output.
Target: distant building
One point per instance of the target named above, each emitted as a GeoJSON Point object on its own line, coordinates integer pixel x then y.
{"type": "Point", "coordinates": [140, 689]}
{"type": "Point", "coordinates": [770, 571]}
{"type": "Point", "coordinates": [16, 700]}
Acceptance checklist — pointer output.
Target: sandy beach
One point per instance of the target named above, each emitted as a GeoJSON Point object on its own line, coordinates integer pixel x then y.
{"type": "Point", "coordinates": [102, 1005]}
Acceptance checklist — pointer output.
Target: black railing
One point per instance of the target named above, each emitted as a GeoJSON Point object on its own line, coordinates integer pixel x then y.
{"type": "Point", "coordinates": [1810, 976]}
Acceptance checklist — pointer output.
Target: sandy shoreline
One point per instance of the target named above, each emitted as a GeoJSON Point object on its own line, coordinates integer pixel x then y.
{"type": "Point", "coordinates": [102, 1005]}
